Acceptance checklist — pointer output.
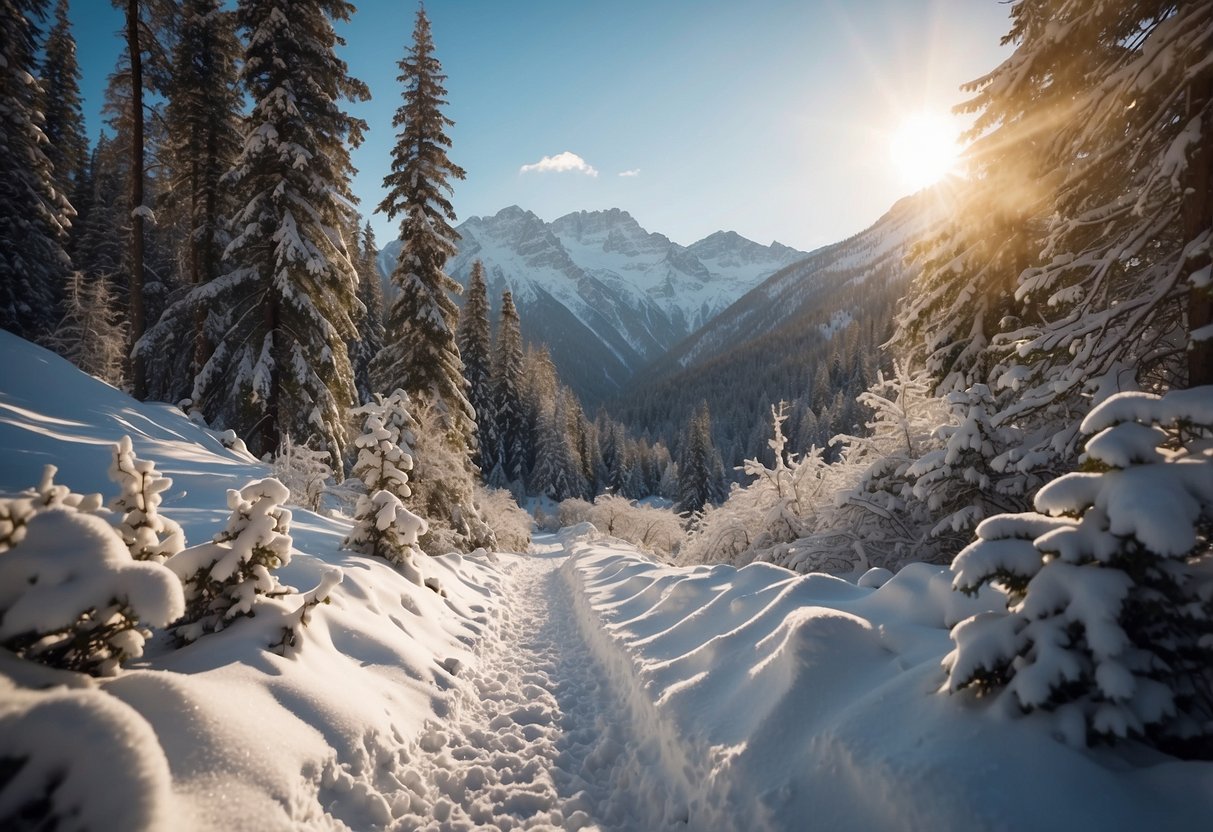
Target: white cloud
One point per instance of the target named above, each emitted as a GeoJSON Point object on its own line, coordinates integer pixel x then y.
{"type": "Point", "coordinates": [632, 172]}
{"type": "Point", "coordinates": [560, 163]}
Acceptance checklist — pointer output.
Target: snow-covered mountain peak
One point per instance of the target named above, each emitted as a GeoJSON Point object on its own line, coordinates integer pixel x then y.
{"type": "Point", "coordinates": [636, 292]}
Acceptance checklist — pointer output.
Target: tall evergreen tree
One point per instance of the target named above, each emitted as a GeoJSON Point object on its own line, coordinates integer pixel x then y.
{"type": "Point", "coordinates": [66, 143]}
{"type": "Point", "coordinates": [34, 215]}
{"type": "Point", "coordinates": [473, 337]}
{"type": "Point", "coordinates": [136, 318]}
{"type": "Point", "coordinates": [97, 237]}
{"type": "Point", "coordinates": [509, 417]}
{"type": "Point", "coordinates": [557, 471]}
{"type": "Point", "coordinates": [700, 471]}
{"type": "Point", "coordinates": [369, 340]}
{"type": "Point", "coordinates": [280, 364]}
{"type": "Point", "coordinates": [1125, 280]}
{"type": "Point", "coordinates": [540, 389]}
{"type": "Point", "coordinates": [420, 355]}
{"type": "Point", "coordinates": [203, 118]}
{"type": "Point", "coordinates": [134, 106]}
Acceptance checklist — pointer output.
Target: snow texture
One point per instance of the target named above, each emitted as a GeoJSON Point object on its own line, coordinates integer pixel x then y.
{"type": "Point", "coordinates": [579, 686]}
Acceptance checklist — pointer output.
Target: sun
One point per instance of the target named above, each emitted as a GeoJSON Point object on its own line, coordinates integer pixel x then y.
{"type": "Point", "coordinates": [923, 149]}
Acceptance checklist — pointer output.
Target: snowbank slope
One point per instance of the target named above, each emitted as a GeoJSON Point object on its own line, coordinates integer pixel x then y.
{"type": "Point", "coordinates": [224, 733]}
{"type": "Point", "coordinates": [779, 701]}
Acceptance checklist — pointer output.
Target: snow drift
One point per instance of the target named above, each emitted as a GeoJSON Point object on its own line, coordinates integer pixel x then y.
{"type": "Point", "coordinates": [768, 700]}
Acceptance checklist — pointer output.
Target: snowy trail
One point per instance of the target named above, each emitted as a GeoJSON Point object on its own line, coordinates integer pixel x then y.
{"type": "Point", "coordinates": [537, 740]}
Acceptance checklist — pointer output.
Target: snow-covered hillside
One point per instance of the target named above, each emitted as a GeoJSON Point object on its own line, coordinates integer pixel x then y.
{"type": "Point", "coordinates": [604, 293]}
{"type": "Point", "coordinates": [223, 733]}
{"type": "Point", "coordinates": [577, 686]}
{"type": "Point", "coordinates": [877, 253]}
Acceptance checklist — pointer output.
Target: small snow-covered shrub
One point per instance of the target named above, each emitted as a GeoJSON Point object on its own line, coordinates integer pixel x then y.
{"type": "Point", "coordinates": [510, 522]}
{"type": "Point", "coordinates": [657, 531]}
{"type": "Point", "coordinates": [304, 471]}
{"type": "Point", "coordinates": [572, 511]}
{"type": "Point", "coordinates": [880, 512]}
{"type": "Point", "coordinates": [71, 595]}
{"type": "Point", "coordinates": [1110, 585]}
{"type": "Point", "coordinates": [147, 534]}
{"type": "Point", "coordinates": [383, 527]}
{"type": "Point", "coordinates": [547, 521]}
{"type": "Point", "coordinates": [224, 577]}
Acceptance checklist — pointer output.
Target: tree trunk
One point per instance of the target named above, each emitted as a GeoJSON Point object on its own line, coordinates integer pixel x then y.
{"type": "Point", "coordinates": [270, 431]}
{"type": "Point", "coordinates": [137, 322]}
{"type": "Point", "coordinates": [1197, 220]}
{"type": "Point", "coordinates": [201, 265]}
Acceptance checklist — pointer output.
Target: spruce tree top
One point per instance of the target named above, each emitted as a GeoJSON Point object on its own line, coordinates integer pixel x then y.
{"type": "Point", "coordinates": [421, 355]}
{"type": "Point", "coordinates": [420, 167]}
{"type": "Point", "coordinates": [66, 144]}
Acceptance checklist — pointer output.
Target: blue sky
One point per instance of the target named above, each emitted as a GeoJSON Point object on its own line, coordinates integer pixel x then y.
{"type": "Point", "coordinates": [770, 117]}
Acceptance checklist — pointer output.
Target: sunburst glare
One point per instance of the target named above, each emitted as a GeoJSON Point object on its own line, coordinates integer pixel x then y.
{"type": "Point", "coordinates": [923, 149]}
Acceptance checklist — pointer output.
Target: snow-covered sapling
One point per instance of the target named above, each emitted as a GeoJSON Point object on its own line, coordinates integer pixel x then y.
{"type": "Point", "coordinates": [1110, 585]}
{"type": "Point", "coordinates": [305, 472]}
{"type": "Point", "coordinates": [292, 632]}
{"type": "Point", "coordinates": [71, 596]}
{"type": "Point", "coordinates": [383, 527]}
{"type": "Point", "coordinates": [147, 534]}
{"type": "Point", "coordinates": [224, 578]}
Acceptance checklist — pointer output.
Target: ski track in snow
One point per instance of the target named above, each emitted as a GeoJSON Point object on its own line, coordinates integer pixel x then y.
{"type": "Point", "coordinates": [537, 739]}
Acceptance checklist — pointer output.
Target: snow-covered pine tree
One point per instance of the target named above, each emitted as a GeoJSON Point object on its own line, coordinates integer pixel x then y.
{"type": "Point", "coordinates": [473, 337]}
{"type": "Point", "coordinates": [420, 355]}
{"type": "Point", "coordinates": [611, 449]}
{"type": "Point", "coordinates": [369, 342]}
{"type": "Point", "coordinates": [590, 452]}
{"type": "Point", "coordinates": [557, 471]}
{"type": "Point", "coordinates": [203, 140]}
{"type": "Point", "coordinates": [971, 477]}
{"type": "Point", "coordinates": [574, 428]}
{"type": "Point", "coordinates": [284, 310]}
{"type": "Point", "coordinates": [539, 391]}
{"type": "Point", "coordinates": [91, 334]}
{"type": "Point", "coordinates": [1124, 286]}
{"type": "Point", "coordinates": [96, 240]}
{"type": "Point", "coordinates": [509, 463]}
{"type": "Point", "coordinates": [136, 316]}
{"type": "Point", "coordinates": [147, 534]}
{"type": "Point", "coordinates": [34, 213]}
{"type": "Point", "coordinates": [71, 596]}
{"type": "Point", "coordinates": [135, 94]}
{"type": "Point", "coordinates": [223, 578]}
{"type": "Point", "coordinates": [879, 510]}
{"type": "Point", "coordinates": [63, 119]}
{"type": "Point", "coordinates": [700, 472]}
{"type": "Point", "coordinates": [305, 472]}
{"type": "Point", "coordinates": [383, 527]}
{"type": "Point", "coordinates": [1110, 586]}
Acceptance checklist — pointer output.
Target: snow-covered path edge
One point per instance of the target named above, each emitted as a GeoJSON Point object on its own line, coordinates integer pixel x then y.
{"type": "Point", "coordinates": [667, 786]}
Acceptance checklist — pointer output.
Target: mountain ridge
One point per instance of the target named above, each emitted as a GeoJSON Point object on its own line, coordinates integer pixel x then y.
{"type": "Point", "coordinates": [627, 294]}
